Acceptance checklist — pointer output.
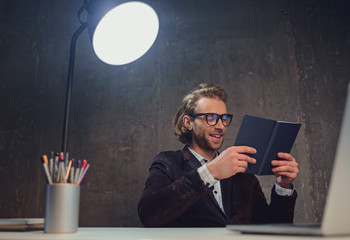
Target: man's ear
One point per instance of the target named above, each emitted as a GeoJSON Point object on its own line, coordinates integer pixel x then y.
{"type": "Point", "coordinates": [187, 122]}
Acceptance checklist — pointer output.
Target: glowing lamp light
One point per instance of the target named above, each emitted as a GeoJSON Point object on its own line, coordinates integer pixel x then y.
{"type": "Point", "coordinates": [120, 36]}
{"type": "Point", "coordinates": [125, 33]}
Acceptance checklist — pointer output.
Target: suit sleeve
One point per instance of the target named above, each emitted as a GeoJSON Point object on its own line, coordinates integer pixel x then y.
{"type": "Point", "coordinates": [167, 196]}
{"type": "Point", "coordinates": [280, 209]}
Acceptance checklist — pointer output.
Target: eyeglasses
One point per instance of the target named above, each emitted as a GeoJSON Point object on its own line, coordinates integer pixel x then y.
{"type": "Point", "coordinates": [213, 118]}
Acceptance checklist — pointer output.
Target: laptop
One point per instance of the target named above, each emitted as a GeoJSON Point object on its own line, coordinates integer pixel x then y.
{"type": "Point", "coordinates": [336, 215]}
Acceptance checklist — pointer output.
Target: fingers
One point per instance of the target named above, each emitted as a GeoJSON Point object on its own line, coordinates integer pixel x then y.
{"type": "Point", "coordinates": [283, 163]}
{"type": "Point", "coordinates": [286, 169]}
{"type": "Point", "coordinates": [240, 152]}
{"type": "Point", "coordinates": [286, 156]}
{"type": "Point", "coordinates": [282, 167]}
{"type": "Point", "coordinates": [287, 159]}
{"type": "Point", "coordinates": [245, 158]}
{"type": "Point", "coordinates": [250, 160]}
{"type": "Point", "coordinates": [242, 161]}
{"type": "Point", "coordinates": [231, 161]}
{"type": "Point", "coordinates": [244, 149]}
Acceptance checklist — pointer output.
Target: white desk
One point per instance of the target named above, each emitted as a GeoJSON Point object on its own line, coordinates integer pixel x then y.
{"type": "Point", "coordinates": [152, 234]}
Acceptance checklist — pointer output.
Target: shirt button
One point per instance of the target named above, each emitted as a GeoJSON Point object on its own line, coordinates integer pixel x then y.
{"type": "Point", "coordinates": [215, 192]}
{"type": "Point", "coordinates": [205, 160]}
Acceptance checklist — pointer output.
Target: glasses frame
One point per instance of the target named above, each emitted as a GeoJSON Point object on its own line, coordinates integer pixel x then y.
{"type": "Point", "coordinates": [220, 116]}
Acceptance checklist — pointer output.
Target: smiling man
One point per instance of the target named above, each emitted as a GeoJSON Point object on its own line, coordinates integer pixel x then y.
{"type": "Point", "coordinates": [198, 187]}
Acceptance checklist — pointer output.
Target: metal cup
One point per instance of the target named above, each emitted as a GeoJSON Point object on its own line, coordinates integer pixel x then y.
{"type": "Point", "coordinates": [62, 208]}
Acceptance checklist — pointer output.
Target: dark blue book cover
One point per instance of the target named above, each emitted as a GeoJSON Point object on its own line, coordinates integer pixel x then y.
{"type": "Point", "coordinates": [268, 137]}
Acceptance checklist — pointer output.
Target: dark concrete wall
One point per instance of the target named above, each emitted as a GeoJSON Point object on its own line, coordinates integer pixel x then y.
{"type": "Point", "coordinates": [288, 60]}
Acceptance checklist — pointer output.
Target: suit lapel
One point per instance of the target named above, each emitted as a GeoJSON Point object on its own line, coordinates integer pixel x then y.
{"type": "Point", "coordinates": [190, 160]}
{"type": "Point", "coordinates": [226, 187]}
{"type": "Point", "coordinates": [225, 184]}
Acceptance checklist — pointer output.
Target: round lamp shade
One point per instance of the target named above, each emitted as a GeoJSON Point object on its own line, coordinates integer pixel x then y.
{"type": "Point", "coordinates": [125, 33]}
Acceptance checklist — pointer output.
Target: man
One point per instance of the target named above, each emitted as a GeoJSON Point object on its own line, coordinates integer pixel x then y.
{"type": "Point", "coordinates": [197, 187]}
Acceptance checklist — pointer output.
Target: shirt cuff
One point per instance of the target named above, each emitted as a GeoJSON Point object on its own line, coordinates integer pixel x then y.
{"type": "Point", "coordinates": [206, 176]}
{"type": "Point", "coordinates": [284, 191]}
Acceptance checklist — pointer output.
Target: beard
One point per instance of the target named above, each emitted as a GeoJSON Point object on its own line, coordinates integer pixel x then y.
{"type": "Point", "coordinates": [204, 143]}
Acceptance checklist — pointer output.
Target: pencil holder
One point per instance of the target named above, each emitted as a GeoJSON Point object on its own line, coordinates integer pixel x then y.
{"type": "Point", "coordinates": [62, 208]}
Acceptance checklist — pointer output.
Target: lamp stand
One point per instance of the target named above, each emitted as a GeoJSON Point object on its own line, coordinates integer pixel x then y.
{"type": "Point", "coordinates": [73, 44]}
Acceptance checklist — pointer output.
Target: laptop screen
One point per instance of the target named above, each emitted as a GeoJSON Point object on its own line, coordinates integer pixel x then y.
{"type": "Point", "coordinates": [336, 217]}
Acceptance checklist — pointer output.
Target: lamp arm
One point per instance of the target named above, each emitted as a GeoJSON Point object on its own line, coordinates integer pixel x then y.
{"type": "Point", "coordinates": [73, 44]}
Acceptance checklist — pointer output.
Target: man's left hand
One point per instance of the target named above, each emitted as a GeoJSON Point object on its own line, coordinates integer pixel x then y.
{"type": "Point", "coordinates": [285, 170]}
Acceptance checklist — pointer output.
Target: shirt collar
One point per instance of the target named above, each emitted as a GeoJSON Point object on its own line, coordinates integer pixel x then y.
{"type": "Point", "coordinates": [199, 157]}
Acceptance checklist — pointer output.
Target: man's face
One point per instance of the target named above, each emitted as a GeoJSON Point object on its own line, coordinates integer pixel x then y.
{"type": "Point", "coordinates": [204, 136]}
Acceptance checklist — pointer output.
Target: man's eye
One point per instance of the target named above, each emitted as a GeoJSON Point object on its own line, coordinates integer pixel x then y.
{"type": "Point", "coordinates": [211, 117]}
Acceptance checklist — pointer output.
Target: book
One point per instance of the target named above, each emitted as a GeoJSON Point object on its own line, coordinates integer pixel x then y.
{"type": "Point", "coordinates": [268, 137]}
{"type": "Point", "coordinates": [21, 224]}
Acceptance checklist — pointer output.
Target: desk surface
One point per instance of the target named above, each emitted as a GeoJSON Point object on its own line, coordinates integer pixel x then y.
{"type": "Point", "coordinates": [152, 234]}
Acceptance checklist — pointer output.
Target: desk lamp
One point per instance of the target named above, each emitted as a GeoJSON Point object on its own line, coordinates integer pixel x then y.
{"type": "Point", "coordinates": [120, 34]}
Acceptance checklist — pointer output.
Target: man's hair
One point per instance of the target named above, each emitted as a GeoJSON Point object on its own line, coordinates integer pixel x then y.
{"type": "Point", "coordinates": [189, 104]}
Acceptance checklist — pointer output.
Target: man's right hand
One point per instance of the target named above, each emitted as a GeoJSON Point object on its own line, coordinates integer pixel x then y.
{"type": "Point", "coordinates": [231, 161]}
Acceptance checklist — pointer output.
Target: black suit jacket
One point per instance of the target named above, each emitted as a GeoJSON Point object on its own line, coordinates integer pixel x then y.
{"type": "Point", "coordinates": [175, 196]}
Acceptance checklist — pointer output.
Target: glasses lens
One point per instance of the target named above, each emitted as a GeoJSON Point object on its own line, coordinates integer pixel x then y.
{"type": "Point", "coordinates": [212, 118]}
{"type": "Point", "coordinates": [226, 119]}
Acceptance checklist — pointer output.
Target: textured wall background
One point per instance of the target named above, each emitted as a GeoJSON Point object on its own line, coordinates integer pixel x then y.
{"type": "Point", "coordinates": [287, 60]}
